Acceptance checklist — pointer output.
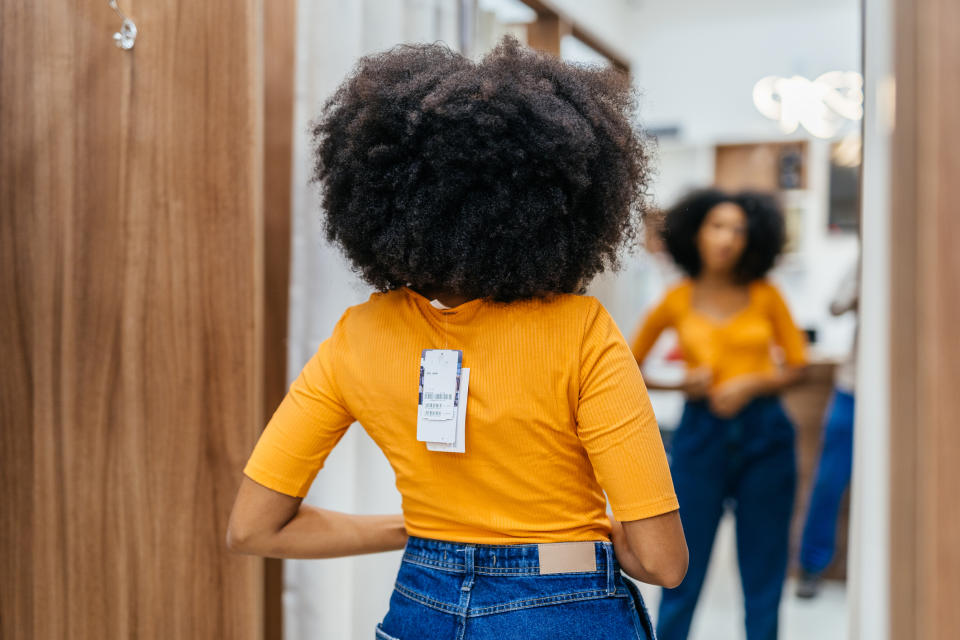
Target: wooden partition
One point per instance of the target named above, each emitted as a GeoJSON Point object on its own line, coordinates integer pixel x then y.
{"type": "Point", "coordinates": [925, 306]}
{"type": "Point", "coordinates": [131, 329]}
{"type": "Point", "coordinates": [279, 35]}
{"type": "Point", "coordinates": [553, 24]}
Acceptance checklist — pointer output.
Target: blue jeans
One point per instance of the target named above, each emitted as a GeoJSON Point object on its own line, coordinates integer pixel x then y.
{"type": "Point", "coordinates": [448, 590]}
{"type": "Point", "coordinates": [747, 461]}
{"type": "Point", "coordinates": [833, 476]}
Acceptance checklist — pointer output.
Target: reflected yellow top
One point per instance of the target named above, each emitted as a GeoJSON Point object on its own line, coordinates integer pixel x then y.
{"type": "Point", "coordinates": [742, 344]}
{"type": "Point", "coordinates": [557, 415]}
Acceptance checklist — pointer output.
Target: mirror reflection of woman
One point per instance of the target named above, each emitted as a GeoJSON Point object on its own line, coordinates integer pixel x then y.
{"type": "Point", "coordinates": [735, 443]}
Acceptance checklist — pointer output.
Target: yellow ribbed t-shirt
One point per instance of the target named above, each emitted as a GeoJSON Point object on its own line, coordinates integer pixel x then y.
{"type": "Point", "coordinates": [732, 347]}
{"type": "Point", "coordinates": [557, 414]}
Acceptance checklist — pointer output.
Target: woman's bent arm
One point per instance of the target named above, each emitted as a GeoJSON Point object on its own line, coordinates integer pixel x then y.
{"type": "Point", "coordinates": [652, 550]}
{"type": "Point", "coordinates": [267, 523]}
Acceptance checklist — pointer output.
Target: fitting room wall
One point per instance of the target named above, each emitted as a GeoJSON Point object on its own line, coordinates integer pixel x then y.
{"type": "Point", "coordinates": [131, 270]}
{"type": "Point", "coordinates": [924, 346]}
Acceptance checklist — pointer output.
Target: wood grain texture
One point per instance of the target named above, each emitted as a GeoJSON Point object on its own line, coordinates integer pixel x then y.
{"type": "Point", "coordinates": [279, 34]}
{"type": "Point", "coordinates": [903, 332]}
{"type": "Point", "coordinates": [925, 344]}
{"type": "Point", "coordinates": [131, 231]}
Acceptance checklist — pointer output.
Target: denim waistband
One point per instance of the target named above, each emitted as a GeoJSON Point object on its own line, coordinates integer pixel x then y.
{"type": "Point", "coordinates": [508, 559]}
{"type": "Point", "coordinates": [755, 403]}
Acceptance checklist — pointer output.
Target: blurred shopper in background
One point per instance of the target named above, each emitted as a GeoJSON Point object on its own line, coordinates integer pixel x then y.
{"type": "Point", "coordinates": [734, 442]}
{"type": "Point", "coordinates": [836, 456]}
{"type": "Point", "coordinates": [479, 199]}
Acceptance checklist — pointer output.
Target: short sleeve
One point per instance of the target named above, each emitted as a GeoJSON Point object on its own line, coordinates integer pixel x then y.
{"type": "Point", "coordinates": [654, 323]}
{"type": "Point", "coordinates": [617, 427]}
{"type": "Point", "coordinates": [788, 336]}
{"type": "Point", "coordinates": [306, 426]}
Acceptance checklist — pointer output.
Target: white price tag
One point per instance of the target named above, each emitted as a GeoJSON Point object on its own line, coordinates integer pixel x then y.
{"type": "Point", "coordinates": [459, 444]}
{"type": "Point", "coordinates": [438, 395]}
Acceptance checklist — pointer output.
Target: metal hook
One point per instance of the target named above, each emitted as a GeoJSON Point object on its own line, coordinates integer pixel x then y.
{"type": "Point", "coordinates": [127, 36]}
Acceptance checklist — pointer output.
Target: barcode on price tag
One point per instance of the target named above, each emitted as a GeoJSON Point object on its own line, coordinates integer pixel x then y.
{"type": "Point", "coordinates": [459, 444]}
{"type": "Point", "coordinates": [433, 404]}
{"type": "Point", "coordinates": [438, 396]}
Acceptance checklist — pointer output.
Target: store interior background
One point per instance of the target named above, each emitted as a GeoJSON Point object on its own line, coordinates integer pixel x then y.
{"type": "Point", "coordinates": [695, 63]}
{"type": "Point", "coordinates": [165, 277]}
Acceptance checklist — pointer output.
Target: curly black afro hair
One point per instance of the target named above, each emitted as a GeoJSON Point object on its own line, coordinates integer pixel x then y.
{"type": "Point", "coordinates": [514, 177]}
{"type": "Point", "coordinates": [766, 231]}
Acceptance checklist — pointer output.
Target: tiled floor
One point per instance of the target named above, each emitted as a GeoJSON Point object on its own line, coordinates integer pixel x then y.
{"type": "Point", "coordinates": [719, 613]}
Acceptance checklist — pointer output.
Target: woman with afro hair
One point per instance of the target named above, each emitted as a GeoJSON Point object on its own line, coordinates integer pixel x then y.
{"type": "Point", "coordinates": [734, 442]}
{"type": "Point", "coordinates": [479, 199]}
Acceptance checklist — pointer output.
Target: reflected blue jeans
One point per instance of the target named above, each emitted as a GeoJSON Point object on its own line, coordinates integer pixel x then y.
{"type": "Point", "coordinates": [833, 476]}
{"type": "Point", "coordinates": [747, 461]}
{"type": "Point", "coordinates": [448, 591]}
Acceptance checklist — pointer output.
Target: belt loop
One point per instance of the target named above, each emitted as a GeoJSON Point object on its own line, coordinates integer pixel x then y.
{"type": "Point", "coordinates": [469, 566]}
{"type": "Point", "coordinates": [611, 568]}
{"type": "Point", "coordinates": [463, 606]}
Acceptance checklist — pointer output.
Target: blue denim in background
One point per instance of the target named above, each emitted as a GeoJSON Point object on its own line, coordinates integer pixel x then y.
{"type": "Point", "coordinates": [830, 483]}
{"type": "Point", "coordinates": [748, 461]}
{"type": "Point", "coordinates": [453, 591]}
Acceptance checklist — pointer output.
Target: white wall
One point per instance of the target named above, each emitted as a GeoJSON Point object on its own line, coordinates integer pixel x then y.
{"type": "Point", "coordinates": [869, 560]}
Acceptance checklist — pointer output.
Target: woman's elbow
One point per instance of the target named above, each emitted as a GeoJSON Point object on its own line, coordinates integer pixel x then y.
{"type": "Point", "coordinates": [670, 571]}
{"type": "Point", "coordinates": [236, 540]}
{"type": "Point", "coordinates": [242, 539]}
{"type": "Point", "coordinates": [258, 516]}
{"type": "Point", "coordinates": [672, 578]}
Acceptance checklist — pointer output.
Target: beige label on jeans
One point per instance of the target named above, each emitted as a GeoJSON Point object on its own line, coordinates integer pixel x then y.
{"type": "Point", "coordinates": [567, 557]}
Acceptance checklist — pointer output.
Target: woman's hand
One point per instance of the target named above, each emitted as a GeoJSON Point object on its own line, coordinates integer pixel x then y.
{"type": "Point", "coordinates": [727, 399]}
{"type": "Point", "coordinates": [696, 384]}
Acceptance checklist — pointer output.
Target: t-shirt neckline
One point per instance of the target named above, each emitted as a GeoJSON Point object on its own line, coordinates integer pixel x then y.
{"type": "Point", "coordinates": [422, 301]}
